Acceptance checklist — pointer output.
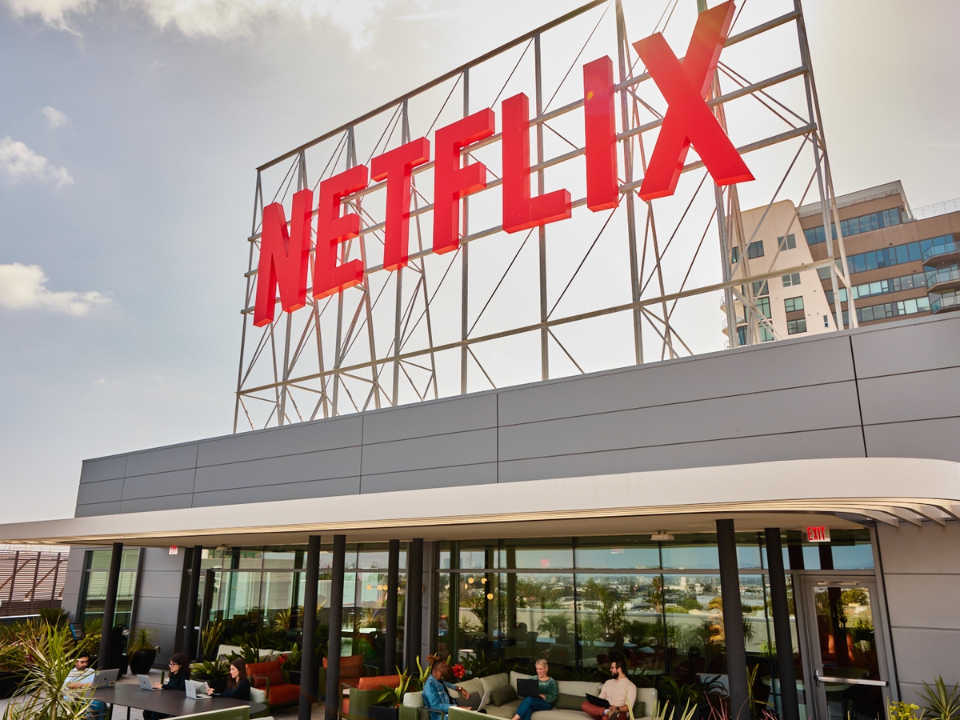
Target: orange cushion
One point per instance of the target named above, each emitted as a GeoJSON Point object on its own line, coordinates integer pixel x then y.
{"type": "Point", "coordinates": [351, 666]}
{"type": "Point", "coordinates": [374, 682]}
{"type": "Point", "coordinates": [283, 694]}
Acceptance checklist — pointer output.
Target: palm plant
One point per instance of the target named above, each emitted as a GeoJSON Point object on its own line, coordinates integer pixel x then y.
{"type": "Point", "coordinates": [210, 639]}
{"type": "Point", "coordinates": [395, 695]}
{"type": "Point", "coordinates": [41, 695]}
{"type": "Point", "coordinates": [941, 703]}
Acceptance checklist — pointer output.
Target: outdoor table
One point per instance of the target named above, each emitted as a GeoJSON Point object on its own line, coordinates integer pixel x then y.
{"type": "Point", "coordinates": [167, 702]}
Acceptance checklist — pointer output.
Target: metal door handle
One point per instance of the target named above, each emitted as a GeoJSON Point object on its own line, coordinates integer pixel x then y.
{"type": "Point", "coordinates": [851, 681]}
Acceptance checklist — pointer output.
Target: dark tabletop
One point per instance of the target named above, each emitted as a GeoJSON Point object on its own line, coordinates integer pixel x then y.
{"type": "Point", "coordinates": [168, 702]}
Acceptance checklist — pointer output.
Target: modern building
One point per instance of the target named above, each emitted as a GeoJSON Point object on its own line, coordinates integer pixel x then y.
{"type": "Point", "coordinates": [900, 263]}
{"type": "Point", "coordinates": [626, 511]}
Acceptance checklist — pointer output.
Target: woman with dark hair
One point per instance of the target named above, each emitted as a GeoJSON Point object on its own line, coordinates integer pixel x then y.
{"type": "Point", "coordinates": [179, 674]}
{"type": "Point", "coordinates": [238, 686]}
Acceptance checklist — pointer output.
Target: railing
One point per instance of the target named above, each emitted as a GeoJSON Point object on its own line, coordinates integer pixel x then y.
{"type": "Point", "coordinates": [30, 580]}
{"type": "Point", "coordinates": [950, 247]}
{"type": "Point", "coordinates": [942, 275]}
{"type": "Point", "coordinates": [941, 208]}
{"type": "Point", "coordinates": [945, 302]}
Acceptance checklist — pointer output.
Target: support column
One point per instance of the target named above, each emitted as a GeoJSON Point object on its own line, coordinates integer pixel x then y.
{"type": "Point", "coordinates": [189, 642]}
{"type": "Point", "coordinates": [308, 662]}
{"type": "Point", "coordinates": [106, 659]}
{"type": "Point", "coordinates": [333, 695]}
{"type": "Point", "coordinates": [393, 583]}
{"type": "Point", "coordinates": [414, 607]}
{"type": "Point", "coordinates": [789, 703]}
{"type": "Point", "coordinates": [733, 621]}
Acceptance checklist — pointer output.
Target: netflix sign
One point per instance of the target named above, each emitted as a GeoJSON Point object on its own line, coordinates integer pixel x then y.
{"type": "Point", "coordinates": [285, 245]}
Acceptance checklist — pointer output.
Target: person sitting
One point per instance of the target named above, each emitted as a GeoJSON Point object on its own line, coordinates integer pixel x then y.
{"type": "Point", "coordinates": [81, 678]}
{"type": "Point", "coordinates": [548, 694]}
{"type": "Point", "coordinates": [435, 696]}
{"type": "Point", "coordinates": [619, 691]}
{"type": "Point", "coordinates": [238, 686]}
{"type": "Point", "coordinates": [179, 665]}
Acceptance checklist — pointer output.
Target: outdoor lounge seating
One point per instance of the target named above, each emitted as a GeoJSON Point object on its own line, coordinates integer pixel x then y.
{"type": "Point", "coordinates": [356, 705]}
{"type": "Point", "coordinates": [351, 670]}
{"type": "Point", "coordinates": [268, 677]}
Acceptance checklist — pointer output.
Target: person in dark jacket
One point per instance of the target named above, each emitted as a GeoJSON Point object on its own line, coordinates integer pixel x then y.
{"type": "Point", "coordinates": [238, 686]}
{"type": "Point", "coordinates": [179, 674]}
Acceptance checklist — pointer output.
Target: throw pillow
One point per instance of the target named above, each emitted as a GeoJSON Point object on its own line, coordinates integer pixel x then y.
{"type": "Point", "coordinates": [569, 702]}
{"type": "Point", "coordinates": [472, 702]}
{"type": "Point", "coordinates": [503, 695]}
{"type": "Point", "coordinates": [639, 709]}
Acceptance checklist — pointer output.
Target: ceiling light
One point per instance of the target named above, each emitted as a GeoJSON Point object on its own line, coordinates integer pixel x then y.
{"type": "Point", "coordinates": [661, 535]}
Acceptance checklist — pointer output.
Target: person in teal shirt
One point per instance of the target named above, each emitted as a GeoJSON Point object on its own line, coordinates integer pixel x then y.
{"type": "Point", "coordinates": [548, 694]}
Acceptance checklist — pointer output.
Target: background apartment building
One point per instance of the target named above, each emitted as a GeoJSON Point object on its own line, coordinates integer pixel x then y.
{"type": "Point", "coordinates": [900, 263]}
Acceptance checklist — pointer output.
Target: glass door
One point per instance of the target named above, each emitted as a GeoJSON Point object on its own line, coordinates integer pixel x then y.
{"type": "Point", "coordinates": [849, 672]}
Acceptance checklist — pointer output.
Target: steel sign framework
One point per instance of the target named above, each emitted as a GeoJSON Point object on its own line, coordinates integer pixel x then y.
{"type": "Point", "coordinates": [637, 282]}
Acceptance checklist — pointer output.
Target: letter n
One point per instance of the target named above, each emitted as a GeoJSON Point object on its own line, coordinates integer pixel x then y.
{"type": "Point", "coordinates": [283, 258]}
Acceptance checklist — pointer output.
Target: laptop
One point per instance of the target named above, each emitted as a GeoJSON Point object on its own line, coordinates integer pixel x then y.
{"type": "Point", "coordinates": [144, 681]}
{"type": "Point", "coordinates": [197, 690]}
{"type": "Point", "coordinates": [105, 677]}
{"type": "Point", "coordinates": [528, 688]}
{"type": "Point", "coordinates": [598, 701]}
{"type": "Point", "coordinates": [483, 702]}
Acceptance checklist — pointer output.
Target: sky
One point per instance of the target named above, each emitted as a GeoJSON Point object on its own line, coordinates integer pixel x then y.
{"type": "Point", "coordinates": [129, 136]}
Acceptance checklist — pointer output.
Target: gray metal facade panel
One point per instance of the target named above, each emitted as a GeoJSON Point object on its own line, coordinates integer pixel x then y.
{"type": "Point", "coordinates": [175, 457]}
{"type": "Point", "coordinates": [167, 502]}
{"type": "Point", "coordinates": [770, 413]}
{"type": "Point", "coordinates": [913, 396]}
{"type": "Point", "coordinates": [935, 439]}
{"type": "Point", "coordinates": [322, 465]}
{"type": "Point", "coordinates": [917, 601]}
{"type": "Point", "coordinates": [107, 508]}
{"type": "Point", "coordinates": [909, 549]}
{"type": "Point", "coordinates": [97, 492]}
{"type": "Point", "coordinates": [769, 367]}
{"type": "Point", "coordinates": [463, 448]}
{"type": "Point", "coordinates": [108, 468]}
{"type": "Point", "coordinates": [924, 654]}
{"type": "Point", "coordinates": [460, 414]}
{"type": "Point", "coordinates": [459, 476]}
{"type": "Point", "coordinates": [288, 491]}
{"type": "Point", "coordinates": [290, 440]}
{"type": "Point", "coordinates": [177, 482]}
{"type": "Point", "coordinates": [842, 442]}
{"type": "Point", "coordinates": [907, 347]}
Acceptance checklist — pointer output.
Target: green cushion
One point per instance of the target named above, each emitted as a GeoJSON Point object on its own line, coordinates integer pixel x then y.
{"type": "Point", "coordinates": [569, 702]}
{"type": "Point", "coordinates": [472, 702]}
{"type": "Point", "coordinates": [639, 709]}
{"type": "Point", "coordinates": [503, 695]}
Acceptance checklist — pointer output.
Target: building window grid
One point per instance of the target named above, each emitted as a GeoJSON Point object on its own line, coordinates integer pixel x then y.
{"type": "Point", "coordinates": [763, 306]}
{"type": "Point", "coordinates": [795, 327]}
{"type": "Point", "coordinates": [855, 226]}
{"type": "Point", "coordinates": [894, 255]}
{"type": "Point", "coordinates": [791, 280]}
{"type": "Point", "coordinates": [788, 242]}
{"type": "Point", "coordinates": [893, 309]}
{"type": "Point", "coordinates": [793, 304]}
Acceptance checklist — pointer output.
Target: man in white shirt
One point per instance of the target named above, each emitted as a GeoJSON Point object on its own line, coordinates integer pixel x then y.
{"type": "Point", "coordinates": [619, 691]}
{"type": "Point", "coordinates": [81, 678]}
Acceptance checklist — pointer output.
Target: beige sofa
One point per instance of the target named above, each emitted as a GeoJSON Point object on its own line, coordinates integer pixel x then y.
{"type": "Point", "coordinates": [647, 696]}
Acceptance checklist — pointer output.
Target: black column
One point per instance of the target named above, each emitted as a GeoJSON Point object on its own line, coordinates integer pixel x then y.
{"type": "Point", "coordinates": [332, 706]}
{"type": "Point", "coordinates": [189, 643]}
{"type": "Point", "coordinates": [106, 658]}
{"type": "Point", "coordinates": [733, 621]}
{"type": "Point", "coordinates": [414, 606]}
{"type": "Point", "coordinates": [790, 708]}
{"type": "Point", "coordinates": [393, 583]}
{"type": "Point", "coordinates": [308, 661]}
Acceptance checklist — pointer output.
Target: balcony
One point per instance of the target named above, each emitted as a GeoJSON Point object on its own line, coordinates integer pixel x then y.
{"type": "Point", "coordinates": [943, 278]}
{"type": "Point", "coordinates": [946, 302]}
{"type": "Point", "coordinates": [942, 254]}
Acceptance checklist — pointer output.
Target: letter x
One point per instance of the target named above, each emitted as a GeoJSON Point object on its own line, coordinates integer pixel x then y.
{"type": "Point", "coordinates": [689, 119]}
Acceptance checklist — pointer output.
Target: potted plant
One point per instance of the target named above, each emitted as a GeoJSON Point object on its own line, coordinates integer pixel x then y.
{"type": "Point", "coordinates": [50, 659]}
{"type": "Point", "coordinates": [392, 696]}
{"type": "Point", "coordinates": [213, 672]}
{"type": "Point", "coordinates": [141, 651]}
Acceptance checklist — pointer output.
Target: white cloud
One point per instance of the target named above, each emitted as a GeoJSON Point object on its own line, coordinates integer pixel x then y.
{"type": "Point", "coordinates": [54, 117]}
{"type": "Point", "coordinates": [223, 19]}
{"type": "Point", "coordinates": [21, 164]}
{"type": "Point", "coordinates": [23, 287]}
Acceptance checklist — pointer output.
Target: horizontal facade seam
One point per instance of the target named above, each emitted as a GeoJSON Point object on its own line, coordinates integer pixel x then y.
{"type": "Point", "coordinates": [427, 437]}
{"type": "Point", "coordinates": [275, 457]}
{"type": "Point", "coordinates": [676, 444]}
{"type": "Point", "coordinates": [910, 372]}
{"type": "Point", "coordinates": [432, 467]}
{"type": "Point", "coordinates": [273, 485]}
{"type": "Point", "coordinates": [925, 629]}
{"type": "Point", "coordinates": [679, 402]}
{"type": "Point", "coordinates": [901, 422]}
{"type": "Point", "coordinates": [149, 497]}
{"type": "Point", "coordinates": [101, 480]}
{"type": "Point", "coordinates": [158, 473]}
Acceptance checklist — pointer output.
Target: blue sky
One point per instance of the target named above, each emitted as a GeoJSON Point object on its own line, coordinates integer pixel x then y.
{"type": "Point", "coordinates": [129, 136]}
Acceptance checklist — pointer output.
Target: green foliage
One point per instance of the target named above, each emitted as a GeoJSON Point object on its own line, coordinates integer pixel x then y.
{"type": "Point", "coordinates": [477, 665]}
{"type": "Point", "coordinates": [395, 695]}
{"type": "Point", "coordinates": [942, 704]}
{"type": "Point", "coordinates": [554, 625]}
{"type": "Point", "coordinates": [41, 695]}
{"type": "Point", "coordinates": [140, 640]}
{"type": "Point", "coordinates": [904, 711]}
{"type": "Point", "coordinates": [57, 617]}
{"type": "Point", "coordinates": [665, 712]}
{"type": "Point", "coordinates": [281, 621]}
{"type": "Point", "coordinates": [210, 639]}
{"type": "Point", "coordinates": [680, 694]}
{"type": "Point", "coordinates": [214, 672]}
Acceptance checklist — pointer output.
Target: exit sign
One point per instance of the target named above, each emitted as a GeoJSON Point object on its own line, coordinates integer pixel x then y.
{"type": "Point", "coordinates": [817, 534]}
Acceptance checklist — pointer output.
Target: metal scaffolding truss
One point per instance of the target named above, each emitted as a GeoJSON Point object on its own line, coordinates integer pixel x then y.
{"type": "Point", "coordinates": [638, 283]}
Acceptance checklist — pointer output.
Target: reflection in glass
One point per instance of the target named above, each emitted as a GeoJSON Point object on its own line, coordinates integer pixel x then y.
{"type": "Point", "coordinates": [544, 617]}
{"type": "Point", "coordinates": [691, 552]}
{"type": "Point", "coordinates": [617, 553]}
{"type": "Point", "coordinates": [537, 554]}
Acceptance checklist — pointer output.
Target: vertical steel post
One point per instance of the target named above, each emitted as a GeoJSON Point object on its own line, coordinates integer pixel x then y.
{"type": "Point", "coordinates": [189, 647]}
{"type": "Point", "coordinates": [106, 659]}
{"type": "Point", "coordinates": [393, 587]}
{"type": "Point", "coordinates": [453, 611]}
{"type": "Point", "coordinates": [414, 601]}
{"type": "Point", "coordinates": [332, 704]}
{"type": "Point", "coordinates": [733, 621]}
{"type": "Point", "coordinates": [542, 230]}
{"type": "Point", "coordinates": [257, 207]}
{"type": "Point", "coordinates": [308, 662]}
{"type": "Point", "coordinates": [464, 264]}
{"type": "Point", "coordinates": [398, 310]}
{"type": "Point", "coordinates": [628, 177]}
{"type": "Point", "coordinates": [786, 674]}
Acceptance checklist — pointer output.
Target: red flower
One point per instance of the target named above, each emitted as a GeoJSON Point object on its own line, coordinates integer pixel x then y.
{"type": "Point", "coordinates": [282, 659]}
{"type": "Point", "coordinates": [458, 671]}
